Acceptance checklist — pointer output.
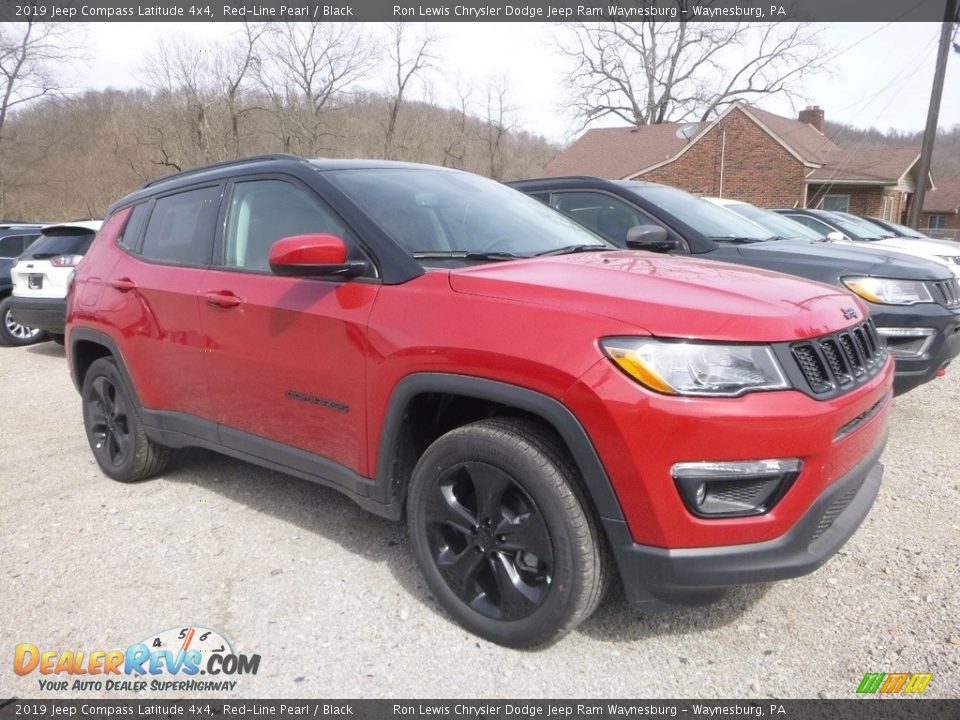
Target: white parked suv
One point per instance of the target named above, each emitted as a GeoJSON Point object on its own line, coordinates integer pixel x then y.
{"type": "Point", "coordinates": [42, 274]}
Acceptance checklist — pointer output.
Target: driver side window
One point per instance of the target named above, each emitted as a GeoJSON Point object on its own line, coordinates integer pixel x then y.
{"type": "Point", "coordinates": [264, 211]}
{"type": "Point", "coordinates": [605, 214]}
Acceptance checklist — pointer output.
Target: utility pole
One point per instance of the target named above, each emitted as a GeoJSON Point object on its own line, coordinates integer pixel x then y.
{"type": "Point", "coordinates": [933, 113]}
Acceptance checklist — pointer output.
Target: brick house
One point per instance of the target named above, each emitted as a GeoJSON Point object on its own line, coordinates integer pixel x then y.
{"type": "Point", "coordinates": [750, 154]}
{"type": "Point", "coordinates": [940, 216]}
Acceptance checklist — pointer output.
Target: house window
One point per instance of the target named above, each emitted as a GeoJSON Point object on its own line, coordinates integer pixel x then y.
{"type": "Point", "coordinates": [937, 222]}
{"type": "Point", "coordinates": [839, 203]}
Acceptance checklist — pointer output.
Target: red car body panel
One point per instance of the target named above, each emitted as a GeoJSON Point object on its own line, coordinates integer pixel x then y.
{"type": "Point", "coordinates": [531, 323]}
{"type": "Point", "coordinates": [290, 335]}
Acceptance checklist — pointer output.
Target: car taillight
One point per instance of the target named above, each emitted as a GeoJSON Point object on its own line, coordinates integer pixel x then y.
{"type": "Point", "coordinates": [66, 260]}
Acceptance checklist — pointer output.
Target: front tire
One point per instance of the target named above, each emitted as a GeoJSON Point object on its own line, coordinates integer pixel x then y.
{"type": "Point", "coordinates": [114, 430]}
{"type": "Point", "coordinates": [13, 333]}
{"type": "Point", "coordinates": [503, 534]}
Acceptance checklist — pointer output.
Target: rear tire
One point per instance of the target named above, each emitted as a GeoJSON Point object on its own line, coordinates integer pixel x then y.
{"type": "Point", "coordinates": [114, 429]}
{"type": "Point", "coordinates": [12, 333]}
{"type": "Point", "coordinates": [58, 338]}
{"type": "Point", "coordinates": [503, 534]}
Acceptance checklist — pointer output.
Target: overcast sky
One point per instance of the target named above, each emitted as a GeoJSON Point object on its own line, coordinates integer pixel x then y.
{"type": "Point", "coordinates": [883, 81]}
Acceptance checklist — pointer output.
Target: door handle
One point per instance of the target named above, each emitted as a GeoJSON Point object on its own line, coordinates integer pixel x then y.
{"type": "Point", "coordinates": [123, 284]}
{"type": "Point", "coordinates": [223, 299]}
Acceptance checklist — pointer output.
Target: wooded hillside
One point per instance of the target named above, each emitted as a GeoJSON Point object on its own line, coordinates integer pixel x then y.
{"type": "Point", "coordinates": [71, 158]}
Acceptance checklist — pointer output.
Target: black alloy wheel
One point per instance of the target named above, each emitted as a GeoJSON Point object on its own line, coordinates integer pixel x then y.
{"type": "Point", "coordinates": [503, 532]}
{"type": "Point", "coordinates": [109, 423]}
{"type": "Point", "coordinates": [489, 541]}
{"type": "Point", "coordinates": [116, 435]}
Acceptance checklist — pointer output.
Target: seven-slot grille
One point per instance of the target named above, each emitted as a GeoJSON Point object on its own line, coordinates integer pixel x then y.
{"type": "Point", "coordinates": [947, 292]}
{"type": "Point", "coordinates": [840, 359]}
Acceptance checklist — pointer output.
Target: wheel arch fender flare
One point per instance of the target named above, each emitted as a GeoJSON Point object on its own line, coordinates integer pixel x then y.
{"type": "Point", "coordinates": [81, 334]}
{"type": "Point", "coordinates": [551, 411]}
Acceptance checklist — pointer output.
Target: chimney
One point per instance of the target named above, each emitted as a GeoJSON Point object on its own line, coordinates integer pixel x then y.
{"type": "Point", "coordinates": [813, 115]}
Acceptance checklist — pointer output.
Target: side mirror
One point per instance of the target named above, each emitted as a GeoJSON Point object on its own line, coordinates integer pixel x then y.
{"type": "Point", "coordinates": [650, 237]}
{"type": "Point", "coordinates": [836, 236]}
{"type": "Point", "coordinates": [317, 255]}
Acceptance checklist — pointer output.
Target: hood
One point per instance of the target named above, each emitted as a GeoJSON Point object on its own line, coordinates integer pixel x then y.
{"type": "Point", "coordinates": [670, 296]}
{"type": "Point", "coordinates": [942, 251]}
{"type": "Point", "coordinates": [849, 258]}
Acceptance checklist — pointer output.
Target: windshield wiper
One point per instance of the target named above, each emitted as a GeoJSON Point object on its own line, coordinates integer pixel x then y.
{"type": "Point", "coordinates": [465, 255]}
{"type": "Point", "coordinates": [570, 249]}
{"type": "Point", "coordinates": [738, 240]}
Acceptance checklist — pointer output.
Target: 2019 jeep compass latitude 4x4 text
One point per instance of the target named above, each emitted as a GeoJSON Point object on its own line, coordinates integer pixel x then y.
{"type": "Point", "coordinates": [542, 408]}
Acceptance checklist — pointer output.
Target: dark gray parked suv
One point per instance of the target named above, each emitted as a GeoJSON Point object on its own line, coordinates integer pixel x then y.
{"type": "Point", "coordinates": [14, 239]}
{"type": "Point", "coordinates": [915, 303]}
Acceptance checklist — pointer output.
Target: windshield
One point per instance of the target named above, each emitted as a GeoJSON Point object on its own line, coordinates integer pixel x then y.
{"type": "Point", "coordinates": [851, 224]}
{"type": "Point", "coordinates": [66, 241]}
{"type": "Point", "coordinates": [704, 217]}
{"type": "Point", "coordinates": [779, 225]}
{"type": "Point", "coordinates": [442, 213]}
{"type": "Point", "coordinates": [872, 226]}
{"type": "Point", "coordinates": [904, 231]}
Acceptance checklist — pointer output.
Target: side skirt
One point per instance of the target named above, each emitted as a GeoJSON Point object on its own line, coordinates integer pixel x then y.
{"type": "Point", "coordinates": [179, 430]}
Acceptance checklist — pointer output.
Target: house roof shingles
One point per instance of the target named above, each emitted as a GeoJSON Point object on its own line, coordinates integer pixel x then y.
{"type": "Point", "coordinates": [621, 152]}
{"type": "Point", "coordinates": [945, 199]}
{"type": "Point", "coordinates": [614, 153]}
{"type": "Point", "coordinates": [808, 142]}
{"type": "Point", "coordinates": [872, 164]}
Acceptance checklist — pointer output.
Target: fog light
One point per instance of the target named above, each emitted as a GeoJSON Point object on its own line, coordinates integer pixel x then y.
{"type": "Point", "coordinates": [907, 342]}
{"type": "Point", "coordinates": [734, 488]}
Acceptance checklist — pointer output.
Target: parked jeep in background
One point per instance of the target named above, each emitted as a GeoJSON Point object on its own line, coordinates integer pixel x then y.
{"type": "Point", "coordinates": [544, 409]}
{"type": "Point", "coordinates": [915, 303]}
{"type": "Point", "coordinates": [41, 275]}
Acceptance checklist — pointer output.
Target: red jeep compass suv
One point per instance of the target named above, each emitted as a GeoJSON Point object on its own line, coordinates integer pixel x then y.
{"type": "Point", "coordinates": [544, 409]}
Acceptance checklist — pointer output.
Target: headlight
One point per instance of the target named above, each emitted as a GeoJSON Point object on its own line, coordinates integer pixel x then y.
{"type": "Point", "coordinates": [950, 259]}
{"type": "Point", "coordinates": [885, 291]}
{"type": "Point", "coordinates": [696, 368]}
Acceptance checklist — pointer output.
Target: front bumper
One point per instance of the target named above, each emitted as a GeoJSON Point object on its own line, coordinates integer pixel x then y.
{"type": "Point", "coordinates": [912, 372]}
{"type": "Point", "coordinates": [654, 576]}
{"type": "Point", "coordinates": [48, 314]}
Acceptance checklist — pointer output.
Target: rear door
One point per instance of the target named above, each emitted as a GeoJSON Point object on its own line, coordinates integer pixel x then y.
{"type": "Point", "coordinates": [287, 355]}
{"type": "Point", "coordinates": [151, 297]}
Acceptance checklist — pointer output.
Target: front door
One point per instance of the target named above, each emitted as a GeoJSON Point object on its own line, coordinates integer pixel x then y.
{"type": "Point", "coordinates": [285, 356]}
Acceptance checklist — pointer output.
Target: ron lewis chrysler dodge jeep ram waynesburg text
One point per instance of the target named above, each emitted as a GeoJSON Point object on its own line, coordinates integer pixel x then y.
{"type": "Point", "coordinates": [542, 408]}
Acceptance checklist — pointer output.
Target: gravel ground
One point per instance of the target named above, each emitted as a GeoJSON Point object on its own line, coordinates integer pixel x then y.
{"type": "Point", "coordinates": [329, 596]}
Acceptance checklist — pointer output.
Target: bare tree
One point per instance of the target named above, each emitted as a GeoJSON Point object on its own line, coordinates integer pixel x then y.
{"type": "Point", "coordinates": [655, 72]}
{"type": "Point", "coordinates": [455, 150]}
{"type": "Point", "coordinates": [30, 55]}
{"type": "Point", "coordinates": [235, 65]}
{"type": "Point", "coordinates": [499, 122]}
{"type": "Point", "coordinates": [409, 58]}
{"type": "Point", "coordinates": [307, 68]}
{"type": "Point", "coordinates": [180, 70]}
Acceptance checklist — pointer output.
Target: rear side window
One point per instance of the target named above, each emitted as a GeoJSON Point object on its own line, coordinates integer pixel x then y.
{"type": "Point", "coordinates": [608, 215]}
{"type": "Point", "coordinates": [60, 241]}
{"type": "Point", "coordinates": [812, 223]}
{"type": "Point", "coordinates": [264, 211]}
{"type": "Point", "coordinates": [181, 227]}
{"type": "Point", "coordinates": [12, 245]}
{"type": "Point", "coordinates": [130, 238]}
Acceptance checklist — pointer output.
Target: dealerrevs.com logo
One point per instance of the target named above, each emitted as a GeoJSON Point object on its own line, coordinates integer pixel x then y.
{"type": "Point", "coordinates": [173, 660]}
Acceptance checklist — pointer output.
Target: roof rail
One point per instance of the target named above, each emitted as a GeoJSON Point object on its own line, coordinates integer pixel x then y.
{"type": "Point", "coordinates": [222, 163]}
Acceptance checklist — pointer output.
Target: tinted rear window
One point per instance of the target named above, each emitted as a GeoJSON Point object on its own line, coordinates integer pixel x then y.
{"type": "Point", "coordinates": [69, 241]}
{"type": "Point", "coordinates": [181, 227]}
{"type": "Point", "coordinates": [12, 245]}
